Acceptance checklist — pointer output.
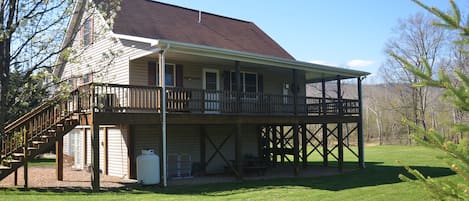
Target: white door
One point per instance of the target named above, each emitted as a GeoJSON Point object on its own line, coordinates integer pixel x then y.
{"type": "Point", "coordinates": [77, 145]}
{"type": "Point", "coordinates": [117, 153]}
{"type": "Point", "coordinates": [211, 86]}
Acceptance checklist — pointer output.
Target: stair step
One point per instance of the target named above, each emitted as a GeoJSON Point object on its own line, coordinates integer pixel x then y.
{"type": "Point", "coordinates": [51, 131]}
{"type": "Point", "coordinates": [33, 148]}
{"type": "Point", "coordinates": [59, 125]}
{"type": "Point", "coordinates": [38, 142]}
{"type": "Point", "coordinates": [2, 167]}
{"type": "Point", "coordinates": [12, 161]}
{"type": "Point", "coordinates": [18, 154]}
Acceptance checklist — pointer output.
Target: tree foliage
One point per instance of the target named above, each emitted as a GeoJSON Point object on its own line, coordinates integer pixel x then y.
{"type": "Point", "coordinates": [31, 34]}
{"type": "Point", "coordinates": [36, 37]}
{"type": "Point", "coordinates": [415, 38]}
{"type": "Point", "coordinates": [456, 93]}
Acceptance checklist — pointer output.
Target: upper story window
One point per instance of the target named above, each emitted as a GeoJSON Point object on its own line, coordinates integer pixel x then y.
{"type": "Point", "coordinates": [87, 32]}
{"type": "Point", "coordinates": [248, 82]}
{"type": "Point", "coordinates": [87, 78]}
{"type": "Point", "coordinates": [72, 82]}
{"type": "Point", "coordinates": [170, 75]}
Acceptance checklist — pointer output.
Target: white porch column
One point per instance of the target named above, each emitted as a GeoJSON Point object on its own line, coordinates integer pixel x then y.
{"type": "Point", "coordinates": [162, 69]}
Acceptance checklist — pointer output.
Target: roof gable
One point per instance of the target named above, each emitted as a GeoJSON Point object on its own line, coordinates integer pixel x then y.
{"type": "Point", "coordinates": [155, 20]}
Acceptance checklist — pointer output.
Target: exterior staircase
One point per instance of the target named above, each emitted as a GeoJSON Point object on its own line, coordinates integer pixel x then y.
{"type": "Point", "coordinates": [36, 132]}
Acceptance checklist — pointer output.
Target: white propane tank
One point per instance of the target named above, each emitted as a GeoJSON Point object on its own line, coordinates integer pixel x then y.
{"type": "Point", "coordinates": [148, 167]}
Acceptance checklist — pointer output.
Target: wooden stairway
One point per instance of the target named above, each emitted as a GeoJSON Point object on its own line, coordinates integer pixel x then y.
{"type": "Point", "coordinates": [36, 132]}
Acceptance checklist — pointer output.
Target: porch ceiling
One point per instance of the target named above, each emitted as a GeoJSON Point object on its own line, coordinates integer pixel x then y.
{"type": "Point", "coordinates": [210, 55]}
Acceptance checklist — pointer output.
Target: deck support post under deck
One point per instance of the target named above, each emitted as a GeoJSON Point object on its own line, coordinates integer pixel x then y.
{"type": "Point", "coordinates": [95, 180]}
{"type": "Point", "coordinates": [282, 144]}
{"type": "Point", "coordinates": [340, 140]}
{"type": "Point", "coordinates": [203, 149]}
{"type": "Point", "coordinates": [238, 150]}
{"type": "Point", "coordinates": [15, 179]}
{"type": "Point", "coordinates": [325, 149]}
{"type": "Point", "coordinates": [26, 158]}
{"type": "Point", "coordinates": [361, 158]}
{"type": "Point", "coordinates": [85, 145]}
{"type": "Point", "coordinates": [106, 151]}
{"type": "Point", "coordinates": [59, 158]}
{"type": "Point", "coordinates": [296, 150]}
{"type": "Point", "coordinates": [273, 133]}
{"type": "Point", "coordinates": [304, 145]}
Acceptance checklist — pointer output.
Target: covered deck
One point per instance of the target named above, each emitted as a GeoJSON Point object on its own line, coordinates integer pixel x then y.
{"type": "Point", "coordinates": [291, 128]}
{"type": "Point", "coordinates": [131, 99]}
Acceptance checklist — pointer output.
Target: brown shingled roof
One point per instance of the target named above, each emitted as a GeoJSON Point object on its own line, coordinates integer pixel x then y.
{"type": "Point", "coordinates": [156, 20]}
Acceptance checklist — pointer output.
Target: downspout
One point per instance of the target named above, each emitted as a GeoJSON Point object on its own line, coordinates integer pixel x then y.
{"type": "Point", "coordinates": [163, 111]}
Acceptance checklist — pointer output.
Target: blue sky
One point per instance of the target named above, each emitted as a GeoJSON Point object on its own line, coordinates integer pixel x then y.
{"type": "Point", "coordinates": [345, 33]}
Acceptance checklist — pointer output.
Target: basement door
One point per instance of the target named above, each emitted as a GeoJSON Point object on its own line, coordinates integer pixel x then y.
{"type": "Point", "coordinates": [211, 86]}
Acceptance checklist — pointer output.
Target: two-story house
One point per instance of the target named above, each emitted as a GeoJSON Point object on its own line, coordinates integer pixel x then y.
{"type": "Point", "coordinates": [203, 90]}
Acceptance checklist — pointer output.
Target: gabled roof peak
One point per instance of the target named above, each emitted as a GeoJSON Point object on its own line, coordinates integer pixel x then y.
{"type": "Point", "coordinates": [163, 21]}
{"type": "Point", "coordinates": [195, 10]}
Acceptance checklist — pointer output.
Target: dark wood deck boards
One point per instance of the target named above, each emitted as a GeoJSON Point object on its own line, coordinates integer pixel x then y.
{"type": "Point", "coordinates": [200, 119]}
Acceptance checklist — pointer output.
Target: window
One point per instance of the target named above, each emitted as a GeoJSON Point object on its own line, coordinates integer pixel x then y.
{"type": "Point", "coordinates": [72, 82]}
{"type": "Point", "coordinates": [87, 78]}
{"type": "Point", "coordinates": [87, 29]}
{"type": "Point", "coordinates": [248, 82]}
{"type": "Point", "coordinates": [170, 75]}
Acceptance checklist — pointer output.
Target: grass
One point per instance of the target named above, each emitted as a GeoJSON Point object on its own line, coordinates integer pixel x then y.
{"type": "Point", "coordinates": [42, 162]}
{"type": "Point", "coordinates": [378, 181]}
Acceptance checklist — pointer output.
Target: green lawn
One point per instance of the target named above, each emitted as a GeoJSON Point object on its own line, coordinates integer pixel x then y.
{"type": "Point", "coordinates": [42, 162]}
{"type": "Point", "coordinates": [377, 182]}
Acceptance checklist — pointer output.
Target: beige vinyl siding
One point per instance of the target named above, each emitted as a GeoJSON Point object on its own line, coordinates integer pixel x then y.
{"type": "Point", "coordinates": [218, 133]}
{"type": "Point", "coordinates": [117, 153]}
{"type": "Point", "coordinates": [249, 140]}
{"type": "Point", "coordinates": [275, 79]}
{"type": "Point", "coordinates": [193, 75]}
{"type": "Point", "coordinates": [101, 148]}
{"type": "Point", "coordinates": [146, 137]}
{"type": "Point", "coordinates": [138, 73]}
{"type": "Point", "coordinates": [185, 139]}
{"type": "Point", "coordinates": [109, 59]}
{"type": "Point", "coordinates": [67, 150]}
{"type": "Point", "coordinates": [106, 57]}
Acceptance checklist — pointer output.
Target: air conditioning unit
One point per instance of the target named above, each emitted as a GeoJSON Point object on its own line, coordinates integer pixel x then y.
{"type": "Point", "coordinates": [107, 102]}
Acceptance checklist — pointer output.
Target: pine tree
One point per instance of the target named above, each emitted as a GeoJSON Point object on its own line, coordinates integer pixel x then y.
{"type": "Point", "coordinates": [457, 154]}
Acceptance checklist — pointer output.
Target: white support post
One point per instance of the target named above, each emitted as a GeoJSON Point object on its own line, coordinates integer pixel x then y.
{"type": "Point", "coordinates": [163, 114]}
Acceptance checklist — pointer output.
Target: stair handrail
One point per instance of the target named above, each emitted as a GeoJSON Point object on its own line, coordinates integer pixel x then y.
{"type": "Point", "coordinates": [56, 99]}
{"type": "Point", "coordinates": [10, 143]}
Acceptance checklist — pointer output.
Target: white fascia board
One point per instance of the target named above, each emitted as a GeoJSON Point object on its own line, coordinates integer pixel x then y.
{"type": "Point", "coordinates": [152, 42]}
{"type": "Point", "coordinates": [202, 50]}
{"type": "Point", "coordinates": [146, 53]}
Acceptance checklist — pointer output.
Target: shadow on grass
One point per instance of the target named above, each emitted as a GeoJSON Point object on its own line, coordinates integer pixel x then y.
{"type": "Point", "coordinates": [374, 175]}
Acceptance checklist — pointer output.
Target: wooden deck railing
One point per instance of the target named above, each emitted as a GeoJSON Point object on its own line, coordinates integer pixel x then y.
{"type": "Point", "coordinates": [126, 98]}
{"type": "Point", "coordinates": [331, 106]}
{"type": "Point", "coordinates": [20, 132]}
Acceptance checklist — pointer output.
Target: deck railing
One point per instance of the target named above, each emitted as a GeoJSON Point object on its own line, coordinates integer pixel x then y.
{"type": "Point", "coordinates": [20, 132]}
{"type": "Point", "coordinates": [127, 98]}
